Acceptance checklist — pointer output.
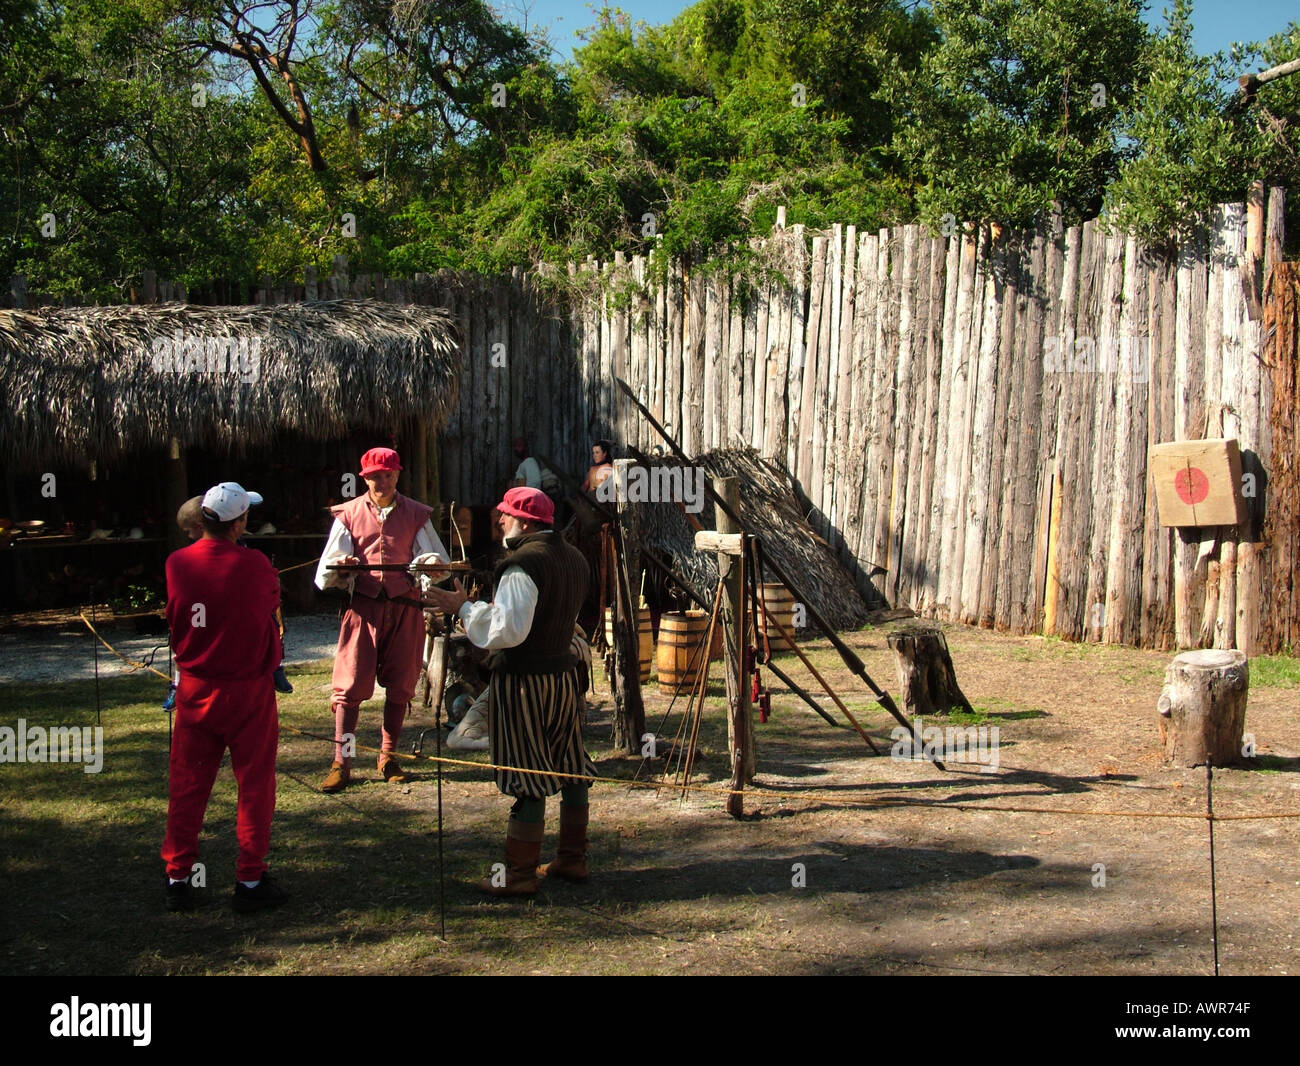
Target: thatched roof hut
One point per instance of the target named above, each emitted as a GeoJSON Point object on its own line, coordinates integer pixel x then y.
{"type": "Point", "coordinates": [102, 382]}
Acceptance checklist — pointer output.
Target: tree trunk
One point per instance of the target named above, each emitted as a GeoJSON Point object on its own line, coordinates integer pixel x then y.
{"type": "Point", "coordinates": [1203, 707]}
{"type": "Point", "coordinates": [925, 671]}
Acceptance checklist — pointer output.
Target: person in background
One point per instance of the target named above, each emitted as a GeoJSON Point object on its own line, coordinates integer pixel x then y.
{"type": "Point", "coordinates": [190, 517]}
{"type": "Point", "coordinates": [602, 466]}
{"type": "Point", "coordinates": [531, 474]}
{"type": "Point", "coordinates": [221, 602]}
{"type": "Point", "coordinates": [529, 471]}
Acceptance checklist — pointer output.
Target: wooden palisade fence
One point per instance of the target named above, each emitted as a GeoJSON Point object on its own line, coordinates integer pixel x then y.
{"type": "Point", "coordinates": [973, 415]}
{"type": "Point", "coordinates": [969, 416]}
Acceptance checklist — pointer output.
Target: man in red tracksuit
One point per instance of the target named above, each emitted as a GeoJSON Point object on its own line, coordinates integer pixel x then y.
{"type": "Point", "coordinates": [221, 602]}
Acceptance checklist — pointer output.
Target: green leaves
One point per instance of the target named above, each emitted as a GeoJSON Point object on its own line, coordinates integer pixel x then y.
{"type": "Point", "coordinates": [416, 135]}
{"type": "Point", "coordinates": [1193, 143]}
{"type": "Point", "coordinates": [1017, 107]}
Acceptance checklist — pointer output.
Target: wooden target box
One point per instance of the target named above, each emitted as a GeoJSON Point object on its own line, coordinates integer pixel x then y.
{"type": "Point", "coordinates": [1198, 482]}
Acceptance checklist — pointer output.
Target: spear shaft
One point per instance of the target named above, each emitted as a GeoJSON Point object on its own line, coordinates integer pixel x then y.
{"type": "Point", "coordinates": [846, 653]}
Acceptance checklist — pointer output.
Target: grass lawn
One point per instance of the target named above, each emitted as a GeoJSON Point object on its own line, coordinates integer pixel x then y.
{"type": "Point", "coordinates": [815, 880]}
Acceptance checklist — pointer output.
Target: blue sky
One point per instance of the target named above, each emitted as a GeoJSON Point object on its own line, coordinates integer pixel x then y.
{"type": "Point", "coordinates": [1218, 23]}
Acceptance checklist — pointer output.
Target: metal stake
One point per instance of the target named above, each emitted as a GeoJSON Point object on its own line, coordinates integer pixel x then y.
{"type": "Point", "coordinates": [1214, 905]}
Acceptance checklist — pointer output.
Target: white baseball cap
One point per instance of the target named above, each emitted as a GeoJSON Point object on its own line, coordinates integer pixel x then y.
{"type": "Point", "coordinates": [229, 500]}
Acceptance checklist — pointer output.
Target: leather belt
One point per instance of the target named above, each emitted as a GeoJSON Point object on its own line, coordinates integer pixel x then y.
{"type": "Point", "coordinates": [405, 601]}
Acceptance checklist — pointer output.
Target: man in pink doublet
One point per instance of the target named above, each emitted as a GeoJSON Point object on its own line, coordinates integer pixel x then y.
{"type": "Point", "coordinates": [382, 631]}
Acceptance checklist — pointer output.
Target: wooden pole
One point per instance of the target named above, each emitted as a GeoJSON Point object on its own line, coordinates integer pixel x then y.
{"type": "Point", "coordinates": [1231, 369]}
{"type": "Point", "coordinates": [1248, 83]}
{"type": "Point", "coordinates": [788, 637]}
{"type": "Point", "coordinates": [419, 459]}
{"type": "Point", "coordinates": [1189, 420]}
{"type": "Point", "coordinates": [1282, 517]}
{"type": "Point", "coordinates": [177, 492]}
{"type": "Point", "coordinates": [1249, 587]}
{"type": "Point", "coordinates": [434, 475]}
{"type": "Point", "coordinates": [740, 725]}
{"type": "Point", "coordinates": [629, 711]}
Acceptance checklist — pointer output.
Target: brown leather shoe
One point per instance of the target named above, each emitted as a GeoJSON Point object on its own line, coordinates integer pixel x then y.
{"type": "Point", "coordinates": [523, 849]}
{"type": "Point", "coordinates": [338, 778]}
{"type": "Point", "coordinates": [571, 856]}
{"type": "Point", "coordinates": [392, 771]}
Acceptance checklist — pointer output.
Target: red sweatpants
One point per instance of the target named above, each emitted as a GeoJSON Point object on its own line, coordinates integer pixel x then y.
{"type": "Point", "coordinates": [378, 639]}
{"type": "Point", "coordinates": [212, 716]}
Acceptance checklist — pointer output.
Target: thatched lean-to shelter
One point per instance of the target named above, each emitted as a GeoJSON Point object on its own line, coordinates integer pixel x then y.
{"type": "Point", "coordinates": [96, 383]}
{"type": "Point", "coordinates": [770, 510]}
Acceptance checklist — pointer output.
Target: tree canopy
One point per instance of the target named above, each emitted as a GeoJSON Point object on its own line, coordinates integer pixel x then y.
{"type": "Point", "coordinates": [243, 139]}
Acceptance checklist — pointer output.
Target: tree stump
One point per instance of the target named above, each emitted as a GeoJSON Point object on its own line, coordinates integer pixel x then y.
{"type": "Point", "coordinates": [1203, 708]}
{"type": "Point", "coordinates": [925, 672]}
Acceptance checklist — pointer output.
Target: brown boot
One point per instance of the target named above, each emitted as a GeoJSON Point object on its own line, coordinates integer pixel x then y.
{"type": "Point", "coordinates": [338, 778]}
{"type": "Point", "coordinates": [571, 856]}
{"type": "Point", "coordinates": [392, 771]}
{"type": "Point", "coordinates": [523, 849]}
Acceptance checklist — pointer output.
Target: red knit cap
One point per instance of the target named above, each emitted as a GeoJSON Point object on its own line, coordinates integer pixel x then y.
{"type": "Point", "coordinates": [532, 505]}
{"type": "Point", "coordinates": [378, 459]}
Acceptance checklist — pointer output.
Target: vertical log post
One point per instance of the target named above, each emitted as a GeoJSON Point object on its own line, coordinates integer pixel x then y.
{"type": "Point", "coordinates": [419, 454]}
{"type": "Point", "coordinates": [177, 492]}
{"type": "Point", "coordinates": [740, 723]}
{"type": "Point", "coordinates": [434, 474]}
{"type": "Point", "coordinates": [629, 711]}
{"type": "Point", "coordinates": [1249, 587]}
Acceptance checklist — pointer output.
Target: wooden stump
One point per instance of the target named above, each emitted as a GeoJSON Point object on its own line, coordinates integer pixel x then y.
{"type": "Point", "coordinates": [1203, 708]}
{"type": "Point", "coordinates": [925, 671]}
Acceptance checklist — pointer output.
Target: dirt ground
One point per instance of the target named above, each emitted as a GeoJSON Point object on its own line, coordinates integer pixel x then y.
{"type": "Point", "coordinates": [846, 862]}
{"type": "Point", "coordinates": [939, 886]}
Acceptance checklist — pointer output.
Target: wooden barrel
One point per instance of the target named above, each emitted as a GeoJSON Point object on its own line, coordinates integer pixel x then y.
{"type": "Point", "coordinates": [680, 636]}
{"type": "Point", "coordinates": [779, 603]}
{"type": "Point", "coordinates": [645, 638]}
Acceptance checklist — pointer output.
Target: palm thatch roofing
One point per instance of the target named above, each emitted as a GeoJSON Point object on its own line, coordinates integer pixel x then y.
{"type": "Point", "coordinates": [100, 382]}
{"type": "Point", "coordinates": [769, 509]}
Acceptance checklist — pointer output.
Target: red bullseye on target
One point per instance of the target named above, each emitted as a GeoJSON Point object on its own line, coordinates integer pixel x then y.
{"type": "Point", "coordinates": [1191, 485]}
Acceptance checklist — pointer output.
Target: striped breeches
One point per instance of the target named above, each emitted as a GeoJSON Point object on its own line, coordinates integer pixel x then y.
{"type": "Point", "coordinates": [535, 723]}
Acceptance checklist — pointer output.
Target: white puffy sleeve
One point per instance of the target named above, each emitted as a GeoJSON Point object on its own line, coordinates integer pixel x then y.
{"type": "Point", "coordinates": [337, 547]}
{"type": "Point", "coordinates": [506, 621]}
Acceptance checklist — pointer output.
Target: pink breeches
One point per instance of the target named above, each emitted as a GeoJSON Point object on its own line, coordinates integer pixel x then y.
{"type": "Point", "coordinates": [379, 640]}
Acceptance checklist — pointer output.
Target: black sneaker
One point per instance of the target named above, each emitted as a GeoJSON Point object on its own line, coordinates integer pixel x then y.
{"type": "Point", "coordinates": [263, 896]}
{"type": "Point", "coordinates": [281, 680]}
{"type": "Point", "coordinates": [181, 896]}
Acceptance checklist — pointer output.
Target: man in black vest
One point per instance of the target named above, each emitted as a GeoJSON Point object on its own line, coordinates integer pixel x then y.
{"type": "Point", "coordinates": [535, 700]}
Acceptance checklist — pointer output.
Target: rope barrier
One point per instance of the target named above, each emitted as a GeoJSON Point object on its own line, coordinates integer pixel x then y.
{"type": "Point", "coordinates": [756, 790]}
{"type": "Point", "coordinates": [866, 801]}
{"type": "Point", "coordinates": [130, 662]}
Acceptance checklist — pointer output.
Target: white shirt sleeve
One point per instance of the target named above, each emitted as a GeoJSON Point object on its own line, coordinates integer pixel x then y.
{"type": "Point", "coordinates": [505, 622]}
{"type": "Point", "coordinates": [337, 548]}
{"type": "Point", "coordinates": [428, 542]}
